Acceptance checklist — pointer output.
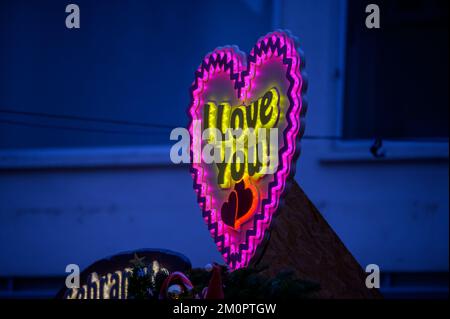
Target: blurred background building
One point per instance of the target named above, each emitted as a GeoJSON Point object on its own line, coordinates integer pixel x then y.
{"type": "Point", "coordinates": [75, 188]}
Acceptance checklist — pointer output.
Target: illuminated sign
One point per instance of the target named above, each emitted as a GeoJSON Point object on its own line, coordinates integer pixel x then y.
{"type": "Point", "coordinates": [246, 119]}
{"type": "Point", "coordinates": [108, 278]}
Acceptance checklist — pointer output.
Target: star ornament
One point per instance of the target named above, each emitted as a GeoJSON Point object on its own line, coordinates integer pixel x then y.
{"type": "Point", "coordinates": [137, 261]}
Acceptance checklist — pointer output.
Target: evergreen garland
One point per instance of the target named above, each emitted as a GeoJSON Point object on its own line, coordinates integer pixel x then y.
{"type": "Point", "coordinates": [140, 284]}
{"type": "Point", "coordinates": [251, 283]}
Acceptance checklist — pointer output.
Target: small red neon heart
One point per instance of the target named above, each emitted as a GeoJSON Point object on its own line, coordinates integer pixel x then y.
{"type": "Point", "coordinates": [240, 205]}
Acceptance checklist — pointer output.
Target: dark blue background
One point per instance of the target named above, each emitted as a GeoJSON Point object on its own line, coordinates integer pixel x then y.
{"type": "Point", "coordinates": [134, 61]}
{"type": "Point", "coordinates": [129, 60]}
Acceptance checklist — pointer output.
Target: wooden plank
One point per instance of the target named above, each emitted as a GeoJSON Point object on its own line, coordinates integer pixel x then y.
{"type": "Point", "coordinates": [302, 240]}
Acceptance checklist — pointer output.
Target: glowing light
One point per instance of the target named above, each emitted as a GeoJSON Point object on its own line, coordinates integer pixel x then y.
{"type": "Point", "coordinates": [109, 286]}
{"type": "Point", "coordinates": [274, 54]}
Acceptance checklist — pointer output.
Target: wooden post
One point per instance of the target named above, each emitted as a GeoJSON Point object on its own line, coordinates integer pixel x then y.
{"type": "Point", "coordinates": [302, 240]}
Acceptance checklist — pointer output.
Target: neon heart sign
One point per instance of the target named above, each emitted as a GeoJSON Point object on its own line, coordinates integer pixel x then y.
{"type": "Point", "coordinates": [260, 92]}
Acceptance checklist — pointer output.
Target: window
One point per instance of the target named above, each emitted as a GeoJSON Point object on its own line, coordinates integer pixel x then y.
{"type": "Point", "coordinates": [397, 88]}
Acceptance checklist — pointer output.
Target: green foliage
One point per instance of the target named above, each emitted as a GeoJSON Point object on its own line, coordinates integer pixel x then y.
{"type": "Point", "coordinates": [245, 283]}
{"type": "Point", "coordinates": [251, 283]}
{"type": "Point", "coordinates": [139, 284]}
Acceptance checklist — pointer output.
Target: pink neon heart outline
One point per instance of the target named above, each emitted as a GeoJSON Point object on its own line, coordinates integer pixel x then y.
{"type": "Point", "coordinates": [229, 60]}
